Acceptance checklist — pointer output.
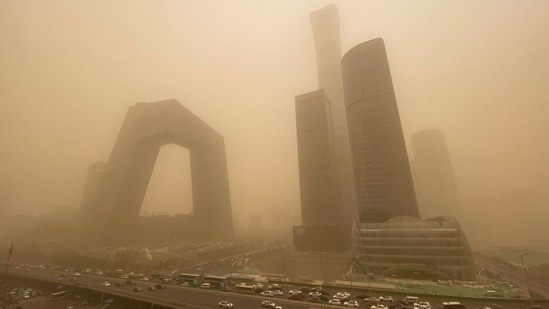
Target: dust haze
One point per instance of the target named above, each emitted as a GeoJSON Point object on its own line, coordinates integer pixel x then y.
{"type": "Point", "coordinates": [476, 71]}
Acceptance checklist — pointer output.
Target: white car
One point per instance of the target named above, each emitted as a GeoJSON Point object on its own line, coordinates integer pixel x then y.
{"type": "Point", "coordinates": [292, 292]}
{"type": "Point", "coordinates": [315, 294]}
{"type": "Point", "coordinates": [379, 307]}
{"type": "Point", "coordinates": [267, 293]}
{"type": "Point", "coordinates": [386, 298]}
{"type": "Point", "coordinates": [268, 304]}
{"type": "Point", "coordinates": [105, 284]}
{"type": "Point", "coordinates": [278, 293]}
{"type": "Point", "coordinates": [342, 296]}
{"type": "Point", "coordinates": [351, 303]}
{"type": "Point", "coordinates": [335, 302]}
{"type": "Point", "coordinates": [423, 305]}
{"type": "Point", "coordinates": [225, 304]}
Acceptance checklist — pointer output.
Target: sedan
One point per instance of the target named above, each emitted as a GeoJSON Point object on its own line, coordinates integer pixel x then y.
{"type": "Point", "coordinates": [268, 304]}
{"type": "Point", "coordinates": [137, 289]}
{"type": "Point", "coordinates": [386, 298]}
{"type": "Point", "coordinates": [105, 284]}
{"type": "Point", "coordinates": [267, 293]}
{"type": "Point", "coordinates": [351, 303]}
{"type": "Point", "coordinates": [225, 304]}
{"type": "Point", "coordinates": [335, 302]}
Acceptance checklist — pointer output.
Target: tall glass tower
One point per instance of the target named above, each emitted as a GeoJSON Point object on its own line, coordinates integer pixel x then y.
{"type": "Point", "coordinates": [381, 168]}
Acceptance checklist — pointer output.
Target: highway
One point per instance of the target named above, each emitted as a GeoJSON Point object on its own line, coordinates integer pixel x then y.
{"type": "Point", "coordinates": [197, 298]}
{"type": "Point", "coordinates": [172, 296]}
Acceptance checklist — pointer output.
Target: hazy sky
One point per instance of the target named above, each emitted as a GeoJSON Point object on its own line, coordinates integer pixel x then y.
{"type": "Point", "coordinates": [476, 70]}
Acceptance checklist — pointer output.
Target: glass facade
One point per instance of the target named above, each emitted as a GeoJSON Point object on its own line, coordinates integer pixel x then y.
{"type": "Point", "coordinates": [434, 248]}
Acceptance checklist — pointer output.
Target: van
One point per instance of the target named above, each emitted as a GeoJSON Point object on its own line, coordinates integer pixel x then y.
{"type": "Point", "coordinates": [452, 305]}
{"type": "Point", "coordinates": [411, 299]}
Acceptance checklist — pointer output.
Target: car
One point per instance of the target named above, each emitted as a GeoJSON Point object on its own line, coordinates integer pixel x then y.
{"type": "Point", "coordinates": [130, 282]}
{"type": "Point", "coordinates": [76, 274]}
{"type": "Point", "coordinates": [379, 307]}
{"type": "Point", "coordinates": [151, 288]}
{"type": "Point", "coordinates": [296, 292]}
{"type": "Point", "coordinates": [427, 305]}
{"type": "Point", "coordinates": [295, 297]}
{"type": "Point", "coordinates": [160, 286]}
{"type": "Point", "coordinates": [206, 285]}
{"type": "Point", "coordinates": [341, 296]}
{"type": "Point", "coordinates": [362, 296]}
{"type": "Point", "coordinates": [386, 298]}
{"type": "Point", "coordinates": [316, 288]}
{"type": "Point", "coordinates": [314, 294]}
{"type": "Point", "coordinates": [351, 303]}
{"type": "Point", "coordinates": [268, 304]}
{"type": "Point", "coordinates": [373, 298]}
{"type": "Point", "coordinates": [119, 283]}
{"type": "Point", "coordinates": [137, 289]}
{"type": "Point", "coordinates": [314, 300]}
{"type": "Point", "coordinates": [225, 304]}
{"type": "Point", "coordinates": [105, 284]}
{"type": "Point", "coordinates": [278, 293]}
{"type": "Point", "coordinates": [335, 302]}
{"type": "Point", "coordinates": [267, 293]}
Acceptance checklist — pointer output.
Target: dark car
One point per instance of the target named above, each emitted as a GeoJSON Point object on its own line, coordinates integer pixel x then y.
{"type": "Point", "coordinates": [129, 282]}
{"type": "Point", "coordinates": [160, 286]}
{"type": "Point", "coordinates": [314, 300]}
{"type": "Point", "coordinates": [137, 289]}
{"type": "Point", "coordinates": [119, 283]}
{"type": "Point", "coordinates": [305, 289]}
{"type": "Point", "coordinates": [295, 297]}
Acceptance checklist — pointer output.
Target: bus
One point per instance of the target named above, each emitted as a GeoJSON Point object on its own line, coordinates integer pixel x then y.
{"type": "Point", "coordinates": [245, 289]}
{"type": "Point", "coordinates": [217, 281]}
{"type": "Point", "coordinates": [190, 279]}
{"type": "Point", "coordinates": [59, 295]}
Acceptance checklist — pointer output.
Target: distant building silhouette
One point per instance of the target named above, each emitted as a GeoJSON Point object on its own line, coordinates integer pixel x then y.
{"type": "Point", "coordinates": [384, 185]}
{"type": "Point", "coordinates": [434, 179]}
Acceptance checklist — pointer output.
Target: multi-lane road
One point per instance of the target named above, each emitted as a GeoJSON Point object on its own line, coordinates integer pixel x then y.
{"type": "Point", "coordinates": [197, 298]}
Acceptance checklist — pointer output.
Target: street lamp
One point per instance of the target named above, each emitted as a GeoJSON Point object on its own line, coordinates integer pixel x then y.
{"type": "Point", "coordinates": [526, 276]}
{"type": "Point", "coordinates": [351, 275]}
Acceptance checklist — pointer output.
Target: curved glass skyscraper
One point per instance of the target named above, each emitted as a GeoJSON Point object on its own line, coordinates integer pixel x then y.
{"type": "Point", "coordinates": [383, 179]}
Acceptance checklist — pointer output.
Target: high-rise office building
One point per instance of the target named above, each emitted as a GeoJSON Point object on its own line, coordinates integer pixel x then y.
{"type": "Point", "coordinates": [328, 202]}
{"type": "Point", "coordinates": [325, 26]}
{"type": "Point", "coordinates": [434, 180]}
{"type": "Point", "coordinates": [381, 168]}
{"type": "Point", "coordinates": [324, 226]}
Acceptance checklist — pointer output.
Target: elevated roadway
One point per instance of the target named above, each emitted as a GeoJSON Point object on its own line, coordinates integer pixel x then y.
{"type": "Point", "coordinates": [174, 296]}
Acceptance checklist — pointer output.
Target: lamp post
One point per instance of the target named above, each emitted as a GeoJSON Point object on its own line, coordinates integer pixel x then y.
{"type": "Point", "coordinates": [351, 275]}
{"type": "Point", "coordinates": [526, 277]}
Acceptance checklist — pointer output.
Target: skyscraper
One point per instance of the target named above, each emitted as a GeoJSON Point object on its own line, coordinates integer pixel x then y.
{"type": "Point", "coordinates": [434, 179]}
{"type": "Point", "coordinates": [381, 169]}
{"type": "Point", "coordinates": [325, 227]}
{"type": "Point", "coordinates": [328, 203]}
{"type": "Point", "coordinates": [325, 26]}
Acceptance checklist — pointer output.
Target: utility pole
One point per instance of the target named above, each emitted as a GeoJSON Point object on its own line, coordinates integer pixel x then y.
{"type": "Point", "coordinates": [526, 277]}
{"type": "Point", "coordinates": [9, 258]}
